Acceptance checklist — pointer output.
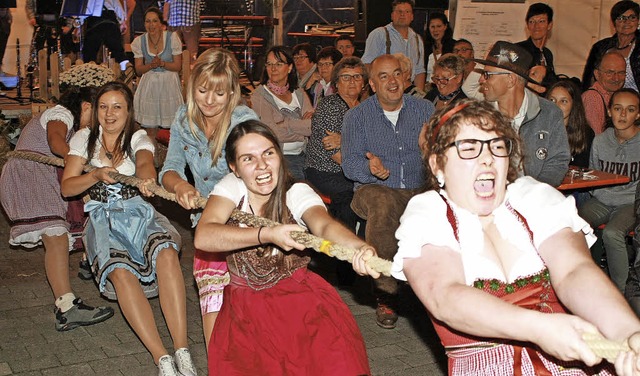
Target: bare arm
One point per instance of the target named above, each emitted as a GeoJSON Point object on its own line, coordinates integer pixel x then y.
{"type": "Point", "coordinates": [185, 192]}
{"type": "Point", "coordinates": [214, 235]}
{"type": "Point", "coordinates": [74, 182]}
{"type": "Point", "coordinates": [420, 80]}
{"type": "Point", "coordinates": [57, 138]}
{"type": "Point", "coordinates": [437, 277]}
{"type": "Point", "coordinates": [575, 276]}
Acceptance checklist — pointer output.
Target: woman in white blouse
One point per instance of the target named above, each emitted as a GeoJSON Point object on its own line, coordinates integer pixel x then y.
{"type": "Point", "coordinates": [502, 264]}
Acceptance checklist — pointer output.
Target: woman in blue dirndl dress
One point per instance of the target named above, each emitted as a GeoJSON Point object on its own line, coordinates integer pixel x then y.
{"type": "Point", "coordinates": [133, 250]}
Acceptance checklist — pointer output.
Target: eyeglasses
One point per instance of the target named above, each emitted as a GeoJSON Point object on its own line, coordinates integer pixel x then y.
{"type": "Point", "coordinates": [278, 64]}
{"type": "Point", "coordinates": [486, 75]}
{"type": "Point", "coordinates": [300, 57]}
{"type": "Point", "coordinates": [538, 21]}
{"type": "Point", "coordinates": [442, 80]}
{"type": "Point", "coordinates": [472, 148]}
{"type": "Point", "coordinates": [462, 49]}
{"type": "Point", "coordinates": [631, 17]}
{"type": "Point", "coordinates": [349, 77]}
{"type": "Point", "coordinates": [611, 73]}
{"type": "Point", "coordinates": [325, 64]}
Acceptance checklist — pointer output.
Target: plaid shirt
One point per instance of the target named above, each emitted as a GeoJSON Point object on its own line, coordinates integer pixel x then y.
{"type": "Point", "coordinates": [183, 12]}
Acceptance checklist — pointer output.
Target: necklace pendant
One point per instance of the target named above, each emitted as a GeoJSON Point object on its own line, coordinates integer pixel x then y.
{"type": "Point", "coordinates": [108, 155]}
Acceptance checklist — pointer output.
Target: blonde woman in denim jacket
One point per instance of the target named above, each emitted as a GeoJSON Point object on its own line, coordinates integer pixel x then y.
{"type": "Point", "coordinates": [198, 135]}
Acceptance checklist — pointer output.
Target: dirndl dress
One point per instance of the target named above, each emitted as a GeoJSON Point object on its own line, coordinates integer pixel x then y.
{"type": "Point", "coordinates": [30, 191]}
{"type": "Point", "coordinates": [159, 92]}
{"type": "Point", "coordinates": [278, 318]}
{"type": "Point", "coordinates": [125, 231]}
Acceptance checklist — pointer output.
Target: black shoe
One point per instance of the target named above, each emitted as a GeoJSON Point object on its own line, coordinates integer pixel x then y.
{"type": "Point", "coordinates": [386, 315]}
{"type": "Point", "coordinates": [84, 270]}
{"type": "Point", "coordinates": [81, 315]}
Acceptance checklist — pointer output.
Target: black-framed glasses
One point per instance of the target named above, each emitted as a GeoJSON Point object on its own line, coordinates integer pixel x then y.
{"type": "Point", "coordinates": [623, 18]}
{"type": "Point", "coordinates": [325, 64]}
{"type": "Point", "coordinates": [442, 80]}
{"type": "Point", "coordinates": [486, 75]}
{"type": "Point", "coordinates": [349, 77]}
{"type": "Point", "coordinates": [300, 57]}
{"type": "Point", "coordinates": [472, 148]}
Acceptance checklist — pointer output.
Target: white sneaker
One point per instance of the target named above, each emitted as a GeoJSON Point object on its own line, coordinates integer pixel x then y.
{"type": "Point", "coordinates": [184, 363]}
{"type": "Point", "coordinates": [166, 366]}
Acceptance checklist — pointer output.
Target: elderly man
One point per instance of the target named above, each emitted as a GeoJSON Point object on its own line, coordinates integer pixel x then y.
{"type": "Point", "coordinates": [610, 74]}
{"type": "Point", "coordinates": [382, 155]}
{"type": "Point", "coordinates": [398, 36]}
{"type": "Point", "coordinates": [538, 122]}
{"type": "Point", "coordinates": [539, 20]}
{"type": "Point", "coordinates": [470, 86]}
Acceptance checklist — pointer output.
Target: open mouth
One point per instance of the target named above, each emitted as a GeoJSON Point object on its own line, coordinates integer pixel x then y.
{"type": "Point", "coordinates": [264, 179]}
{"type": "Point", "coordinates": [484, 185]}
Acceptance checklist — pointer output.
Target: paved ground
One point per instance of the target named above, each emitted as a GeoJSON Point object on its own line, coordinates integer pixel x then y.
{"type": "Point", "coordinates": [29, 344]}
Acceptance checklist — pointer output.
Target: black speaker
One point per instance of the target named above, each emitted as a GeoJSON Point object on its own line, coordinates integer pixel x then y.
{"type": "Point", "coordinates": [370, 14]}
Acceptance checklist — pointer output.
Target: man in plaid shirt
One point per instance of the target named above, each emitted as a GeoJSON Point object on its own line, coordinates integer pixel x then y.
{"type": "Point", "coordinates": [183, 17]}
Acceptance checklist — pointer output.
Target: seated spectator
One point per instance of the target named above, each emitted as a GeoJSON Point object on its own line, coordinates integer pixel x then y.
{"type": "Point", "coordinates": [327, 58]}
{"type": "Point", "coordinates": [624, 16]}
{"type": "Point", "coordinates": [609, 75]}
{"type": "Point", "coordinates": [538, 122]}
{"type": "Point", "coordinates": [471, 84]}
{"type": "Point", "coordinates": [616, 150]}
{"type": "Point", "coordinates": [409, 87]}
{"type": "Point", "coordinates": [566, 95]}
{"type": "Point", "coordinates": [284, 106]}
{"type": "Point", "coordinates": [344, 44]}
{"type": "Point", "coordinates": [324, 157]}
{"type": "Point", "coordinates": [447, 78]}
{"type": "Point", "coordinates": [304, 59]}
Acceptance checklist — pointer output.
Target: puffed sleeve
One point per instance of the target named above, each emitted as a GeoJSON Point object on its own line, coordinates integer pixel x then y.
{"type": "Point", "coordinates": [57, 113]}
{"type": "Point", "coordinates": [140, 141]}
{"type": "Point", "coordinates": [78, 143]}
{"type": "Point", "coordinates": [230, 187]}
{"type": "Point", "coordinates": [301, 197]}
{"type": "Point", "coordinates": [546, 210]}
{"type": "Point", "coordinates": [424, 222]}
{"type": "Point", "coordinates": [136, 47]}
{"type": "Point", "coordinates": [176, 44]}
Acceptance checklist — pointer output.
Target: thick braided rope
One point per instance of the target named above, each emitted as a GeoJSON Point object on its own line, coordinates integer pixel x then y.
{"type": "Point", "coordinates": [601, 346]}
{"type": "Point", "coordinates": [308, 240]}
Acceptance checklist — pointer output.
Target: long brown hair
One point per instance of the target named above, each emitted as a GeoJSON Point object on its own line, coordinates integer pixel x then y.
{"type": "Point", "coordinates": [215, 69]}
{"type": "Point", "coordinates": [122, 148]}
{"type": "Point", "coordinates": [577, 125]}
{"type": "Point", "coordinates": [276, 206]}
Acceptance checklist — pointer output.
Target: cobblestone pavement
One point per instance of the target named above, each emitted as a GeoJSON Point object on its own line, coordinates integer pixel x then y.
{"type": "Point", "coordinates": [30, 345]}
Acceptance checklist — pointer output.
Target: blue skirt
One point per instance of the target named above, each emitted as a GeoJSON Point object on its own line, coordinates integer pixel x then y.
{"type": "Point", "coordinates": [127, 234]}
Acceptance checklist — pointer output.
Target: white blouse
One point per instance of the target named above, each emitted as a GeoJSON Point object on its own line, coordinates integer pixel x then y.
{"type": "Point", "coordinates": [544, 208]}
{"type": "Point", "coordinates": [139, 141]}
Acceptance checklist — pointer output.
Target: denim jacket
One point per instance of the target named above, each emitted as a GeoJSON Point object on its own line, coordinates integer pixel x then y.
{"type": "Point", "coordinates": [185, 149]}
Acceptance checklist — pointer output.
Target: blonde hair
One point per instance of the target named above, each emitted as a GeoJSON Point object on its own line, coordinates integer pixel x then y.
{"type": "Point", "coordinates": [405, 62]}
{"type": "Point", "coordinates": [215, 69]}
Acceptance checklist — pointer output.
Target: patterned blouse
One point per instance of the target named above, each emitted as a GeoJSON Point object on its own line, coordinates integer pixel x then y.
{"type": "Point", "coordinates": [327, 117]}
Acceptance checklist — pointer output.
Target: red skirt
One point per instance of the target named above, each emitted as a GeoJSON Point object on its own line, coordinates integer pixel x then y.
{"type": "Point", "coordinates": [300, 326]}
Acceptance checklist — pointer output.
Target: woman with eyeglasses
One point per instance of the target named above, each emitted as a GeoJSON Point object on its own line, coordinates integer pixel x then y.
{"type": "Point", "coordinates": [327, 58]}
{"type": "Point", "coordinates": [513, 249]}
{"type": "Point", "coordinates": [284, 107]}
{"type": "Point", "coordinates": [624, 15]}
{"type": "Point", "coordinates": [323, 159]}
{"type": "Point", "coordinates": [447, 78]}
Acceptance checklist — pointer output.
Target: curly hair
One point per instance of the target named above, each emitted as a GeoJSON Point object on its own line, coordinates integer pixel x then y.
{"type": "Point", "coordinates": [444, 126]}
